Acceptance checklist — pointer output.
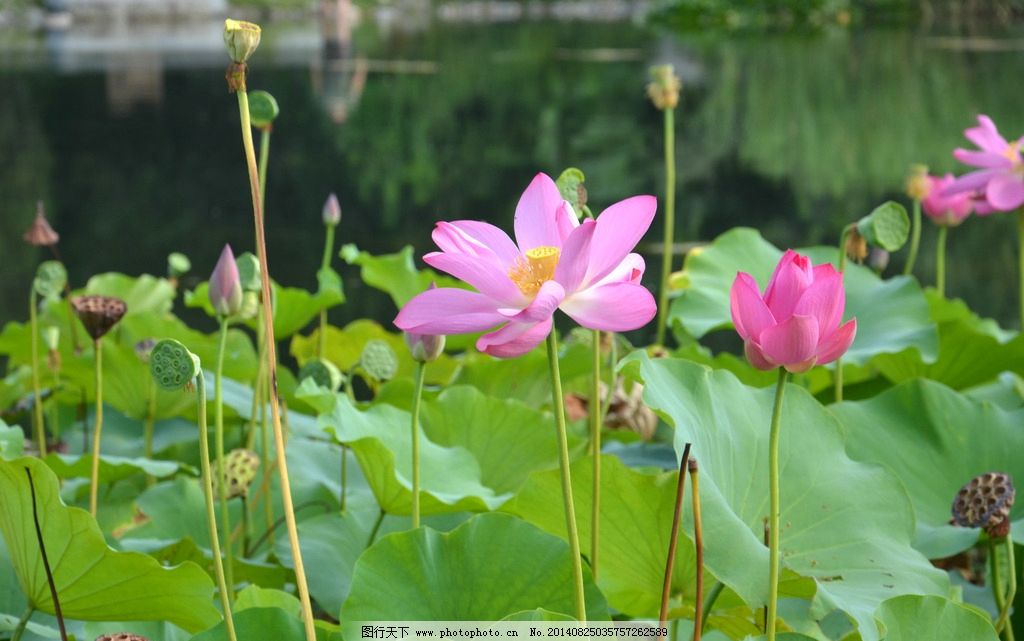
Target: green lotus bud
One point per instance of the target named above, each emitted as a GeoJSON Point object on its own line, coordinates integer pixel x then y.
{"type": "Point", "coordinates": [570, 185]}
{"type": "Point", "coordinates": [241, 39]}
{"type": "Point", "coordinates": [332, 211]}
{"type": "Point", "coordinates": [178, 265]}
{"type": "Point", "coordinates": [50, 279]}
{"type": "Point", "coordinates": [263, 109]}
{"type": "Point", "coordinates": [379, 360]}
{"type": "Point", "coordinates": [51, 337]}
{"type": "Point", "coordinates": [173, 367]}
{"type": "Point", "coordinates": [99, 313]}
{"type": "Point", "coordinates": [664, 87]}
{"type": "Point", "coordinates": [888, 226]}
{"type": "Point", "coordinates": [250, 306]}
{"type": "Point", "coordinates": [323, 372]}
{"type": "Point", "coordinates": [425, 348]}
{"type": "Point", "coordinates": [249, 272]}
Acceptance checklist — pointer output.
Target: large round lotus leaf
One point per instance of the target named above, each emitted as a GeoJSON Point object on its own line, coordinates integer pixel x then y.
{"type": "Point", "coordinates": [935, 440]}
{"type": "Point", "coordinates": [892, 315]}
{"type": "Point", "coordinates": [634, 533]}
{"type": "Point", "coordinates": [912, 618]}
{"type": "Point", "coordinates": [94, 582]}
{"type": "Point", "coordinates": [847, 525]}
{"type": "Point", "coordinates": [491, 566]}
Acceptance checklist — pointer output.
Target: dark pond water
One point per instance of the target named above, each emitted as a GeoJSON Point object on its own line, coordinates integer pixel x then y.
{"type": "Point", "coordinates": [136, 152]}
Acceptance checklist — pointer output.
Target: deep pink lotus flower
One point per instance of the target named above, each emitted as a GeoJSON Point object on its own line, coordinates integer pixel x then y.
{"type": "Point", "coordinates": [1000, 179]}
{"type": "Point", "coordinates": [796, 323]}
{"type": "Point", "coordinates": [948, 211]}
{"type": "Point", "coordinates": [585, 269]}
{"type": "Point", "coordinates": [225, 285]}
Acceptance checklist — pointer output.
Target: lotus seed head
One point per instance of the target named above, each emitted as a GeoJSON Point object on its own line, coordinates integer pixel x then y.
{"type": "Point", "coordinates": [173, 367]}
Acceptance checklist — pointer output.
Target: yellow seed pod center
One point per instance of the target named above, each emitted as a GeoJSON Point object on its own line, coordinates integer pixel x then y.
{"type": "Point", "coordinates": [536, 268]}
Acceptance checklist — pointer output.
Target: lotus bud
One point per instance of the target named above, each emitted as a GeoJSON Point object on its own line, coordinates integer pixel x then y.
{"type": "Point", "coordinates": [51, 277]}
{"type": "Point", "coordinates": [664, 87]}
{"type": "Point", "coordinates": [918, 184]}
{"type": "Point", "coordinates": [425, 348]}
{"type": "Point", "coordinates": [323, 372]}
{"type": "Point", "coordinates": [332, 211]}
{"type": "Point", "coordinates": [51, 338]}
{"type": "Point", "coordinates": [241, 39]}
{"type": "Point", "coordinates": [249, 272]}
{"type": "Point", "coordinates": [878, 259]}
{"type": "Point", "coordinates": [99, 313]}
{"type": "Point", "coordinates": [173, 367]}
{"type": "Point", "coordinates": [263, 110]}
{"type": "Point", "coordinates": [985, 502]}
{"type": "Point", "coordinates": [250, 306]}
{"type": "Point", "coordinates": [225, 285]}
{"type": "Point", "coordinates": [379, 360]}
{"type": "Point", "coordinates": [144, 348]}
{"type": "Point", "coordinates": [178, 265]}
{"type": "Point", "coordinates": [40, 233]}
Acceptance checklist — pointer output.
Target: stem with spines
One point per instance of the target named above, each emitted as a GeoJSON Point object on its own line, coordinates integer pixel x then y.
{"type": "Point", "coordinates": [271, 348]}
{"type": "Point", "coordinates": [218, 436]}
{"type": "Point", "coordinates": [774, 531]}
{"type": "Point", "coordinates": [39, 428]}
{"type": "Point", "coordinates": [95, 475]}
{"type": "Point", "coordinates": [563, 460]}
{"type": "Point", "coordinates": [670, 222]}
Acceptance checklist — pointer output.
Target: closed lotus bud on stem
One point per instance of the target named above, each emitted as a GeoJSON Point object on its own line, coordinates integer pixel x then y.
{"type": "Point", "coordinates": [241, 39]}
{"type": "Point", "coordinates": [918, 184]}
{"type": "Point", "coordinates": [40, 233]}
{"type": "Point", "coordinates": [664, 87]}
{"type": "Point", "coordinates": [425, 348]}
{"type": "Point", "coordinates": [332, 211]}
{"type": "Point", "coordinates": [225, 285]}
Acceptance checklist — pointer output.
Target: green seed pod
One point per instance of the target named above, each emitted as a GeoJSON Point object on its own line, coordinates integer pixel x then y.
{"type": "Point", "coordinates": [263, 109]}
{"type": "Point", "coordinates": [249, 272]}
{"type": "Point", "coordinates": [178, 265]}
{"type": "Point", "coordinates": [241, 39]}
{"type": "Point", "coordinates": [323, 373]}
{"type": "Point", "coordinates": [121, 636]}
{"type": "Point", "coordinates": [172, 365]}
{"type": "Point", "coordinates": [888, 226]}
{"type": "Point", "coordinates": [250, 306]}
{"type": "Point", "coordinates": [240, 468]}
{"type": "Point", "coordinates": [379, 360]}
{"type": "Point", "coordinates": [50, 279]}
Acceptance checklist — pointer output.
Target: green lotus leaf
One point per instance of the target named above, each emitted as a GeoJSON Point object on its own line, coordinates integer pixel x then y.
{"type": "Point", "coordinates": [910, 618]}
{"type": "Point", "coordinates": [491, 566]}
{"type": "Point", "coordinates": [892, 315]}
{"type": "Point", "coordinates": [113, 468]}
{"type": "Point", "coordinates": [93, 581]}
{"type": "Point", "coordinates": [141, 294]}
{"type": "Point", "coordinates": [294, 307]}
{"type": "Point", "coordinates": [935, 440]}
{"type": "Point", "coordinates": [847, 525]}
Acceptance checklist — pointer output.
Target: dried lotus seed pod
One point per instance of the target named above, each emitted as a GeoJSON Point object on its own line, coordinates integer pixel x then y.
{"type": "Point", "coordinates": [99, 313]}
{"type": "Point", "coordinates": [985, 502]}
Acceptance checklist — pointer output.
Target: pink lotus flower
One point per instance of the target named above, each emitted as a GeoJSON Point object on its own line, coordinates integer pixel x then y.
{"type": "Point", "coordinates": [1000, 179]}
{"type": "Point", "coordinates": [948, 211]}
{"type": "Point", "coordinates": [796, 323]}
{"type": "Point", "coordinates": [225, 285]}
{"type": "Point", "coordinates": [585, 269]}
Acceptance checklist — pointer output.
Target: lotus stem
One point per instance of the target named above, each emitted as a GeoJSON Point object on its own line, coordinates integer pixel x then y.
{"type": "Point", "coordinates": [46, 560]}
{"type": "Point", "coordinates": [282, 462]}
{"type": "Point", "coordinates": [218, 437]}
{"type": "Point", "coordinates": [915, 239]}
{"type": "Point", "coordinates": [211, 516]}
{"type": "Point", "coordinates": [149, 427]}
{"type": "Point", "coordinates": [325, 263]}
{"type": "Point", "coordinates": [940, 261]}
{"type": "Point", "coordinates": [563, 460]}
{"type": "Point", "coordinates": [38, 427]}
{"type": "Point", "coordinates": [22, 622]}
{"type": "Point", "coordinates": [264, 157]}
{"type": "Point", "coordinates": [773, 489]}
{"type": "Point", "coordinates": [842, 269]}
{"type": "Point", "coordinates": [698, 542]}
{"type": "Point", "coordinates": [709, 603]}
{"type": "Point", "coordinates": [1011, 590]}
{"type": "Point", "coordinates": [97, 429]}
{"type": "Point", "coordinates": [670, 558]}
{"type": "Point", "coordinates": [1020, 262]}
{"type": "Point", "coordinates": [417, 397]}
{"type": "Point", "coordinates": [595, 447]}
{"type": "Point", "coordinates": [376, 527]}
{"type": "Point", "coordinates": [670, 221]}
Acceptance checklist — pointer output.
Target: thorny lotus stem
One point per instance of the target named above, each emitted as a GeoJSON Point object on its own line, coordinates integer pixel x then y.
{"type": "Point", "coordinates": [670, 558]}
{"type": "Point", "coordinates": [211, 516]}
{"type": "Point", "coordinates": [773, 489]}
{"type": "Point", "coordinates": [842, 268]}
{"type": "Point", "coordinates": [595, 447]}
{"type": "Point", "coordinates": [915, 239]}
{"type": "Point", "coordinates": [218, 437]}
{"type": "Point", "coordinates": [325, 263]}
{"type": "Point", "coordinates": [149, 426]}
{"type": "Point", "coordinates": [670, 221]}
{"type": "Point", "coordinates": [940, 261]}
{"type": "Point", "coordinates": [282, 462]}
{"type": "Point", "coordinates": [417, 397]}
{"type": "Point", "coordinates": [1005, 603]}
{"type": "Point", "coordinates": [709, 603]}
{"type": "Point", "coordinates": [95, 476]}
{"type": "Point", "coordinates": [46, 560]}
{"type": "Point", "coordinates": [563, 460]}
{"type": "Point", "coordinates": [698, 542]}
{"type": "Point", "coordinates": [39, 429]}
